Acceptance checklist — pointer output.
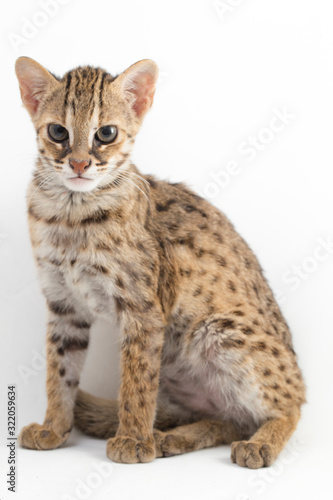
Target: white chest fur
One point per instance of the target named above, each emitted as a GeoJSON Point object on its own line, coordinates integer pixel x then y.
{"type": "Point", "coordinates": [69, 272]}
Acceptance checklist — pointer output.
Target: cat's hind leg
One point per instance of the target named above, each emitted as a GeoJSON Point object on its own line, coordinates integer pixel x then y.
{"type": "Point", "coordinates": [195, 436]}
{"type": "Point", "coordinates": [264, 446]}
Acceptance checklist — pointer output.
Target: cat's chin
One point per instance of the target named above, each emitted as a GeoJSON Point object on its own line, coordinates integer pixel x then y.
{"type": "Point", "coordinates": [80, 184]}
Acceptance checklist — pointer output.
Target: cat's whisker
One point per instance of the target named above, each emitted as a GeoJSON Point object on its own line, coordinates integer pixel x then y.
{"type": "Point", "coordinates": [131, 174]}
{"type": "Point", "coordinates": [131, 181]}
{"type": "Point", "coordinates": [140, 177]}
{"type": "Point", "coordinates": [122, 175]}
{"type": "Point", "coordinates": [45, 180]}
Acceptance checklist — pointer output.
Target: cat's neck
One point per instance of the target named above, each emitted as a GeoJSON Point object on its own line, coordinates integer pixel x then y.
{"type": "Point", "coordinates": [56, 201]}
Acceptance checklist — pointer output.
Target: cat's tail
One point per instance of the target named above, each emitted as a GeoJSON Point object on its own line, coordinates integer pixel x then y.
{"type": "Point", "coordinates": [96, 416]}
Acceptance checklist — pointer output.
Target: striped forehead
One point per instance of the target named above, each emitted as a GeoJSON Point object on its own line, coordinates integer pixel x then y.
{"type": "Point", "coordinates": [84, 91]}
{"type": "Point", "coordinates": [83, 102]}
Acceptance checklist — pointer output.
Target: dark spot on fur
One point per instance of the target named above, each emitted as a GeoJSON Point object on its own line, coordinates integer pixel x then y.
{"type": "Point", "coordinates": [188, 240]}
{"type": "Point", "coordinates": [209, 297]}
{"type": "Point", "coordinates": [261, 346]}
{"type": "Point", "coordinates": [267, 372]}
{"type": "Point", "coordinates": [147, 280]}
{"type": "Point", "coordinates": [238, 313]}
{"type": "Point", "coordinates": [191, 208]}
{"type": "Point", "coordinates": [233, 343]}
{"type": "Point", "coordinates": [152, 182]}
{"type": "Point", "coordinates": [199, 252]}
{"type": "Point", "coordinates": [60, 308]}
{"type": "Point", "coordinates": [231, 286]}
{"type": "Point", "coordinates": [62, 372]}
{"type": "Point", "coordinates": [147, 305]}
{"type": "Point", "coordinates": [185, 272]}
{"type": "Point", "coordinates": [197, 291]}
{"type": "Point", "coordinates": [221, 261]}
{"type": "Point", "coordinates": [72, 383]}
{"type": "Point", "coordinates": [80, 324]}
{"type": "Point", "coordinates": [121, 305]}
{"type": "Point", "coordinates": [255, 289]}
{"type": "Point", "coordinates": [218, 237]}
{"type": "Point", "coordinates": [227, 323]}
{"type": "Point", "coordinates": [119, 282]}
{"type": "Point", "coordinates": [140, 246]}
{"type": "Point", "coordinates": [101, 268]}
{"type": "Point", "coordinates": [247, 263]}
{"type": "Point", "coordinates": [166, 206]}
{"type": "Point", "coordinates": [96, 218]}
{"type": "Point", "coordinates": [247, 330]}
{"type": "Point", "coordinates": [275, 352]}
{"type": "Point", "coordinates": [282, 368]}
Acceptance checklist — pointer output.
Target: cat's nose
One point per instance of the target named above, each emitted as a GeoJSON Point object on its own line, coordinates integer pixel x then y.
{"type": "Point", "coordinates": [79, 166]}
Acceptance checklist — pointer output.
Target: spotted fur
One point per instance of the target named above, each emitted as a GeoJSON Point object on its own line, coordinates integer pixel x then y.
{"type": "Point", "coordinates": [206, 355]}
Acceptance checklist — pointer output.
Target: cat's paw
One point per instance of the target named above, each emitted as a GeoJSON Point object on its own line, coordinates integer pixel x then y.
{"type": "Point", "coordinates": [252, 454]}
{"type": "Point", "coordinates": [168, 445]}
{"type": "Point", "coordinates": [128, 450]}
{"type": "Point", "coordinates": [38, 437]}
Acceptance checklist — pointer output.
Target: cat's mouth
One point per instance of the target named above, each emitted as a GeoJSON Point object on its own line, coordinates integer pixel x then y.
{"type": "Point", "coordinates": [80, 183]}
{"type": "Point", "coordinates": [79, 178]}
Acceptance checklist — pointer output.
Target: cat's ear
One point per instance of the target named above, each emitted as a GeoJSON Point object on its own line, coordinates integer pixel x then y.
{"type": "Point", "coordinates": [35, 81]}
{"type": "Point", "coordinates": [138, 84]}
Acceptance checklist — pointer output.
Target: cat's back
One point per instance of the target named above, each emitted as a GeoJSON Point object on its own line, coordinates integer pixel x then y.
{"type": "Point", "coordinates": [188, 221]}
{"type": "Point", "coordinates": [216, 270]}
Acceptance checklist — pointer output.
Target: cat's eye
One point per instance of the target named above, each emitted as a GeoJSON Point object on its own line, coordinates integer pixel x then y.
{"type": "Point", "coordinates": [57, 133]}
{"type": "Point", "coordinates": [106, 134]}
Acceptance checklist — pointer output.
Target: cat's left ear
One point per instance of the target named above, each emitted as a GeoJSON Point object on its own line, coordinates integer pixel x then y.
{"type": "Point", "coordinates": [35, 81]}
{"type": "Point", "coordinates": [138, 84]}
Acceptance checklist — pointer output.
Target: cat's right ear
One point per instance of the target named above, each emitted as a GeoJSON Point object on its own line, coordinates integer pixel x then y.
{"type": "Point", "coordinates": [34, 81]}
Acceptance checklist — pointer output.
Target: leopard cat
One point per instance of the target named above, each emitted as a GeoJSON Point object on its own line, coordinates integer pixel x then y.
{"type": "Point", "coordinates": [206, 355]}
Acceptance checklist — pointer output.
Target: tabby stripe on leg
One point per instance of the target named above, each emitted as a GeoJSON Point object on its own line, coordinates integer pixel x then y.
{"type": "Point", "coordinates": [72, 344]}
{"type": "Point", "coordinates": [61, 308]}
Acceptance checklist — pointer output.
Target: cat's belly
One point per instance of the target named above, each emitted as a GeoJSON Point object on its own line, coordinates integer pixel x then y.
{"type": "Point", "coordinates": [213, 393]}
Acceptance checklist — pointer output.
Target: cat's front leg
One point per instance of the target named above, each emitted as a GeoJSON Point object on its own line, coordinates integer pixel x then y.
{"type": "Point", "coordinates": [140, 365]}
{"type": "Point", "coordinates": [67, 342]}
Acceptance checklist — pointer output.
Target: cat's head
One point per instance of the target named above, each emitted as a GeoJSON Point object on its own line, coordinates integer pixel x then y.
{"type": "Point", "coordinates": [86, 121]}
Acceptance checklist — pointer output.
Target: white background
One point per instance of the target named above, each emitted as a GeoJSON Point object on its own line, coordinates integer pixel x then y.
{"type": "Point", "coordinates": [225, 73]}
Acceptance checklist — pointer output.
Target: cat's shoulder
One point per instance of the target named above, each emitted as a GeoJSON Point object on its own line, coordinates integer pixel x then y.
{"type": "Point", "coordinates": [172, 193]}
